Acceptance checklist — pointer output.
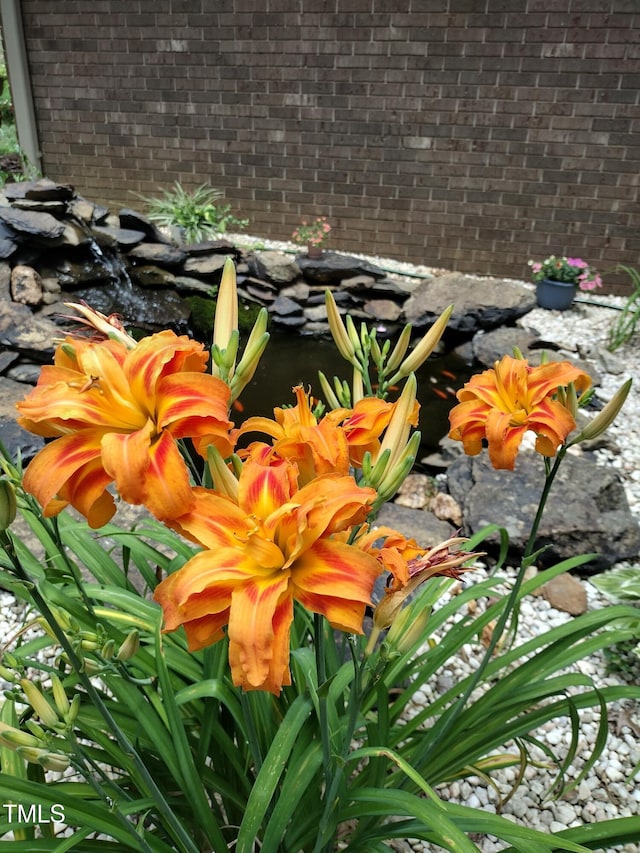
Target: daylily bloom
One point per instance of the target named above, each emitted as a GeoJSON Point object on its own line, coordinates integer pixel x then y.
{"type": "Point", "coordinates": [116, 413]}
{"type": "Point", "coordinates": [317, 447]}
{"type": "Point", "coordinates": [363, 427]}
{"type": "Point", "coordinates": [274, 546]}
{"type": "Point", "coordinates": [409, 566]}
{"type": "Point", "coordinates": [503, 403]}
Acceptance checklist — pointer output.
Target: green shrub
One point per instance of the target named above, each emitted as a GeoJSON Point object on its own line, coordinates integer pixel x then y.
{"type": "Point", "coordinates": [197, 215]}
{"type": "Point", "coordinates": [624, 326]}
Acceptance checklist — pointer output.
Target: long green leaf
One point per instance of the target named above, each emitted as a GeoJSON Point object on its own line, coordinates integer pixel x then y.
{"type": "Point", "coordinates": [272, 768]}
{"type": "Point", "coordinates": [191, 783]}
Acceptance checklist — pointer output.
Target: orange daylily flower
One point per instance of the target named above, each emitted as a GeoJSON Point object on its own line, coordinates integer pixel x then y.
{"type": "Point", "coordinates": [316, 447]}
{"type": "Point", "coordinates": [503, 403]}
{"type": "Point", "coordinates": [274, 546]}
{"type": "Point", "coordinates": [363, 427]}
{"type": "Point", "coordinates": [116, 413]}
{"type": "Point", "coordinates": [439, 561]}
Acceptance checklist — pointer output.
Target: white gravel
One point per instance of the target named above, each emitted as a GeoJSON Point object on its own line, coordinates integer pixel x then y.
{"type": "Point", "coordinates": [608, 790]}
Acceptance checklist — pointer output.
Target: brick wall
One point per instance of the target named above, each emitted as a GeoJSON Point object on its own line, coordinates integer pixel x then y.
{"type": "Point", "coordinates": [469, 134]}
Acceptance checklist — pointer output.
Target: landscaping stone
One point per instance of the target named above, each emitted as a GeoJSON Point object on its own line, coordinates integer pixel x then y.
{"type": "Point", "coordinates": [587, 510]}
{"type": "Point", "coordinates": [423, 526]}
{"type": "Point", "coordinates": [479, 303]}
{"type": "Point", "coordinates": [274, 266]}
{"type": "Point", "coordinates": [566, 593]}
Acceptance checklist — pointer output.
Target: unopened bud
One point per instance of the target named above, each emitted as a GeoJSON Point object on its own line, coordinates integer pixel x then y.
{"type": "Point", "coordinates": [47, 760]}
{"type": "Point", "coordinates": [74, 710]}
{"type": "Point", "coordinates": [108, 650]}
{"type": "Point", "coordinates": [603, 420]}
{"type": "Point", "coordinates": [8, 506]}
{"type": "Point", "coordinates": [8, 675]}
{"type": "Point", "coordinates": [130, 646]}
{"type": "Point", "coordinates": [338, 331]}
{"type": "Point", "coordinates": [39, 703]}
{"type": "Point", "coordinates": [13, 738]}
{"type": "Point", "coordinates": [407, 629]}
{"type": "Point", "coordinates": [424, 347]}
{"type": "Point", "coordinates": [226, 316]}
{"type": "Point", "coordinates": [59, 695]}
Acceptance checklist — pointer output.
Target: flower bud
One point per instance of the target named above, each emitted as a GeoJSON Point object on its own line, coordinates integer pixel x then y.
{"type": "Point", "coordinates": [108, 650]}
{"type": "Point", "coordinates": [327, 390]}
{"type": "Point", "coordinates": [400, 349]}
{"type": "Point", "coordinates": [603, 420]}
{"type": "Point", "coordinates": [130, 646]}
{"type": "Point", "coordinates": [357, 386]}
{"type": "Point", "coordinates": [226, 316]}
{"type": "Point", "coordinates": [224, 481]}
{"type": "Point", "coordinates": [59, 695]}
{"type": "Point", "coordinates": [47, 760]}
{"type": "Point", "coordinates": [8, 675]}
{"type": "Point", "coordinates": [407, 629]}
{"type": "Point", "coordinates": [424, 347]}
{"type": "Point", "coordinates": [14, 738]}
{"type": "Point", "coordinates": [8, 506]}
{"type": "Point", "coordinates": [338, 331]}
{"type": "Point", "coordinates": [39, 703]}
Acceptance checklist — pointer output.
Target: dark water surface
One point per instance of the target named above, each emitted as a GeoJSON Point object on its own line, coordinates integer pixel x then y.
{"type": "Point", "coordinates": [293, 359]}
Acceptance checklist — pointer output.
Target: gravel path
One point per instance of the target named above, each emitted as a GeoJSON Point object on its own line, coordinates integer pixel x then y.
{"type": "Point", "coordinates": [608, 790]}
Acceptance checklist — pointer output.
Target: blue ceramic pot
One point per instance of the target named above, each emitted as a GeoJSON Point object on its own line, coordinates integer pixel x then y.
{"type": "Point", "coordinates": [557, 295]}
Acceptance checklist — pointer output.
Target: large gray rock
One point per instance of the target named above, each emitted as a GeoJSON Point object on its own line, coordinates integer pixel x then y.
{"type": "Point", "coordinates": [420, 524]}
{"type": "Point", "coordinates": [587, 510]}
{"type": "Point", "coordinates": [491, 346]}
{"type": "Point", "coordinates": [479, 303]}
{"type": "Point", "coordinates": [274, 266]}
{"type": "Point", "coordinates": [332, 267]}
{"type": "Point", "coordinates": [37, 226]}
{"type": "Point", "coordinates": [30, 335]}
{"type": "Point", "coordinates": [157, 253]}
{"type": "Point", "coordinates": [43, 189]}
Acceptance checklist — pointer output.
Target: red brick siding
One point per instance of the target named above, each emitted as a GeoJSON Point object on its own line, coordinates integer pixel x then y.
{"type": "Point", "coordinates": [469, 134]}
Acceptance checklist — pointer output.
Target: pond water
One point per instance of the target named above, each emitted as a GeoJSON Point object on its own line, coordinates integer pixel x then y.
{"type": "Point", "coordinates": [292, 360]}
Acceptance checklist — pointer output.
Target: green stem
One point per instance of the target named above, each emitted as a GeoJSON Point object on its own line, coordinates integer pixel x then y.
{"type": "Point", "coordinates": [326, 831]}
{"type": "Point", "coordinates": [497, 633]}
{"type": "Point", "coordinates": [178, 831]}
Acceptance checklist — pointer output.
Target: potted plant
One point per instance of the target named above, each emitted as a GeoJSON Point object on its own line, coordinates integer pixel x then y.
{"type": "Point", "coordinates": [558, 280]}
{"type": "Point", "coordinates": [312, 235]}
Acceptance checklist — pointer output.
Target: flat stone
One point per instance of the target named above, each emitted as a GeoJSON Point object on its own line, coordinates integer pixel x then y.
{"type": "Point", "coordinates": [208, 264]}
{"type": "Point", "coordinates": [292, 321]}
{"type": "Point", "coordinates": [34, 224]}
{"type": "Point", "coordinates": [479, 303]}
{"type": "Point", "coordinates": [132, 220]}
{"type": "Point", "coordinates": [30, 334]}
{"type": "Point", "coordinates": [283, 307]}
{"type": "Point", "coordinates": [423, 526]}
{"type": "Point", "coordinates": [383, 309]}
{"type": "Point", "coordinates": [150, 275]}
{"type": "Point", "coordinates": [157, 253]}
{"type": "Point", "coordinates": [333, 267]}
{"type": "Point", "coordinates": [276, 267]}
{"type": "Point", "coordinates": [587, 510]}
{"type": "Point", "coordinates": [491, 346]}
{"type": "Point", "coordinates": [567, 594]}
{"type": "Point", "coordinates": [43, 189]}
{"type": "Point", "coordinates": [108, 235]}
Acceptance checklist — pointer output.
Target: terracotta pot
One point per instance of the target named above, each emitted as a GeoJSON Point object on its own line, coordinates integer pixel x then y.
{"type": "Point", "coordinates": [556, 295]}
{"type": "Point", "coordinates": [314, 251]}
